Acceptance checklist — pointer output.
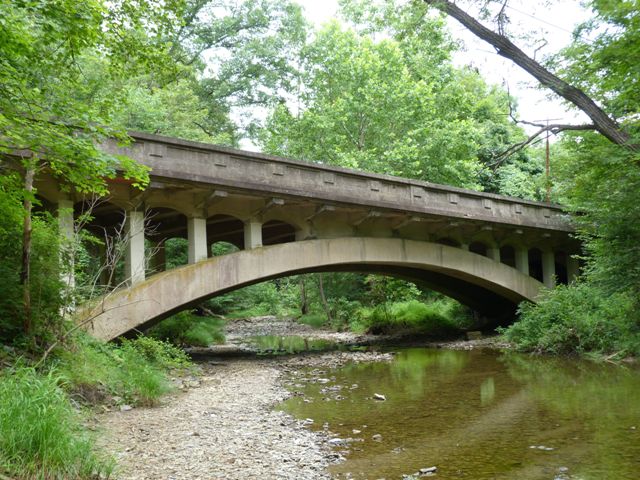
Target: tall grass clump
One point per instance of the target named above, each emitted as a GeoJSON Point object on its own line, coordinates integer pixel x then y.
{"type": "Point", "coordinates": [134, 371]}
{"type": "Point", "coordinates": [186, 328]}
{"type": "Point", "coordinates": [578, 319]}
{"type": "Point", "coordinates": [41, 433]}
{"type": "Point", "coordinates": [439, 317]}
{"type": "Point", "coordinates": [313, 319]}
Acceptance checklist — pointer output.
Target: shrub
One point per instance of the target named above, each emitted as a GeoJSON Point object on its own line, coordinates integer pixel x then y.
{"type": "Point", "coordinates": [46, 286]}
{"type": "Point", "coordinates": [579, 318]}
{"type": "Point", "coordinates": [41, 434]}
{"type": "Point", "coordinates": [185, 328]}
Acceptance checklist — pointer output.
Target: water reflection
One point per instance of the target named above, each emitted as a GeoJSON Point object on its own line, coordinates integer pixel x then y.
{"type": "Point", "coordinates": [288, 344]}
{"type": "Point", "coordinates": [482, 415]}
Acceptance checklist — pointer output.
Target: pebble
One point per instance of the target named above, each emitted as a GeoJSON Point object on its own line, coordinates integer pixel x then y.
{"type": "Point", "coordinates": [223, 426]}
{"type": "Point", "coordinates": [379, 396]}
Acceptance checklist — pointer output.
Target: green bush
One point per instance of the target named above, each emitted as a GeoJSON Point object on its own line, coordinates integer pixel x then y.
{"type": "Point", "coordinates": [41, 434]}
{"type": "Point", "coordinates": [46, 286]}
{"type": "Point", "coordinates": [440, 317]}
{"type": "Point", "coordinates": [578, 319]}
{"type": "Point", "coordinates": [185, 328]}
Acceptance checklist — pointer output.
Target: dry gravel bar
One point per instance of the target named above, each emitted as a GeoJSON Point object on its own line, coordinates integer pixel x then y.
{"type": "Point", "coordinates": [224, 429]}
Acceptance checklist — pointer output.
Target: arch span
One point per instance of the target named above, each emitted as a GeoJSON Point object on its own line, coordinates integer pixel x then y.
{"type": "Point", "coordinates": [472, 278]}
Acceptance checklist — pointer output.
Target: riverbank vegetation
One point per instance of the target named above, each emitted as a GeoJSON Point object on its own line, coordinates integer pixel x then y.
{"type": "Point", "coordinates": [376, 90]}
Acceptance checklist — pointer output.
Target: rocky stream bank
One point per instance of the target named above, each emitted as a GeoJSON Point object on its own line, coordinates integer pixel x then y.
{"type": "Point", "coordinates": [222, 425]}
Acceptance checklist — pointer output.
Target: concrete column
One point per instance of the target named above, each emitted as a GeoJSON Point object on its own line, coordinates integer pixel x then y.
{"type": "Point", "coordinates": [66, 229]}
{"type": "Point", "coordinates": [522, 260]}
{"type": "Point", "coordinates": [494, 253]}
{"type": "Point", "coordinates": [252, 234]}
{"type": "Point", "coordinates": [134, 252]}
{"type": "Point", "coordinates": [549, 269]}
{"type": "Point", "coordinates": [158, 261]}
{"type": "Point", "coordinates": [573, 269]}
{"type": "Point", "coordinates": [197, 234]}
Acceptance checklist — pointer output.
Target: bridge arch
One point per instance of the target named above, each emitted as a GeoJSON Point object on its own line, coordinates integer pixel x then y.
{"type": "Point", "coordinates": [473, 279]}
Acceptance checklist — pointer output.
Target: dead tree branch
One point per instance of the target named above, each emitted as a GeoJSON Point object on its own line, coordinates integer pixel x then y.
{"type": "Point", "coordinates": [551, 128]}
{"type": "Point", "coordinates": [504, 47]}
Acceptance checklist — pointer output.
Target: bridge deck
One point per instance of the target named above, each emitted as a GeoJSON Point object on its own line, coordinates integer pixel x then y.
{"type": "Point", "coordinates": [176, 163]}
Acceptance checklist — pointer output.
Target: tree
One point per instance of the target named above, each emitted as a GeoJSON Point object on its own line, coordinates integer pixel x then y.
{"type": "Point", "coordinates": [602, 122]}
{"type": "Point", "coordinates": [385, 106]}
{"type": "Point", "coordinates": [41, 119]}
{"type": "Point", "coordinates": [243, 52]}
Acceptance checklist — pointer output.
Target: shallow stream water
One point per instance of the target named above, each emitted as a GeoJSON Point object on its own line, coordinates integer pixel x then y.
{"type": "Point", "coordinates": [477, 415]}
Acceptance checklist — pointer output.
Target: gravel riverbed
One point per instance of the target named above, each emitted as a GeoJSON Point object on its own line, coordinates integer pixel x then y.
{"type": "Point", "coordinates": [223, 425]}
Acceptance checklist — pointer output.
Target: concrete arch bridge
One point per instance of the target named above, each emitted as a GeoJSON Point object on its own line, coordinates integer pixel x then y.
{"type": "Point", "coordinates": [288, 217]}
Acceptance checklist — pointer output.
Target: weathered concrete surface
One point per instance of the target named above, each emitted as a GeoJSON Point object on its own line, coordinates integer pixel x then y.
{"type": "Point", "coordinates": [464, 275]}
{"type": "Point", "coordinates": [176, 164]}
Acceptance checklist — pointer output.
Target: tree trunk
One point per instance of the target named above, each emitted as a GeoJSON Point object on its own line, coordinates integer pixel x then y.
{"type": "Point", "coordinates": [603, 123]}
{"type": "Point", "coordinates": [304, 303]}
{"type": "Point", "coordinates": [323, 299]}
{"type": "Point", "coordinates": [25, 273]}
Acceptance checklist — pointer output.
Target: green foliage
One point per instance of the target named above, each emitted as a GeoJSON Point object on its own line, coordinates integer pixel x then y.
{"type": "Point", "coordinates": [186, 328]}
{"type": "Point", "coordinates": [46, 285]}
{"type": "Point", "coordinates": [277, 297]}
{"type": "Point", "coordinates": [41, 433]}
{"type": "Point", "coordinates": [315, 320]}
{"type": "Point", "coordinates": [47, 103]}
{"type": "Point", "coordinates": [133, 371]}
{"type": "Point", "coordinates": [158, 353]}
{"type": "Point", "coordinates": [578, 319]}
{"type": "Point", "coordinates": [440, 317]}
{"type": "Point", "coordinates": [395, 106]}
{"type": "Point", "coordinates": [175, 110]}
{"type": "Point", "coordinates": [599, 182]}
{"type": "Point", "coordinates": [176, 252]}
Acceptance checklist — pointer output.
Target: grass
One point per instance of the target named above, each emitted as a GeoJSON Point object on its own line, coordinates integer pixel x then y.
{"type": "Point", "coordinates": [134, 372]}
{"type": "Point", "coordinates": [315, 320]}
{"type": "Point", "coordinates": [42, 427]}
{"type": "Point", "coordinates": [439, 318]}
{"type": "Point", "coordinates": [41, 433]}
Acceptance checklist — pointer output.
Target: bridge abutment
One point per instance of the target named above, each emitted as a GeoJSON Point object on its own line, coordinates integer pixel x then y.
{"type": "Point", "coordinates": [573, 269]}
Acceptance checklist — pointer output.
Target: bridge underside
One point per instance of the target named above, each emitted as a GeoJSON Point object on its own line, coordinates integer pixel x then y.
{"type": "Point", "coordinates": [492, 288]}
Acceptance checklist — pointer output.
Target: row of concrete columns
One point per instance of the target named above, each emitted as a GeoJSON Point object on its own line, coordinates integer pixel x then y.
{"type": "Point", "coordinates": [197, 241]}
{"type": "Point", "coordinates": [135, 262]}
{"type": "Point", "coordinates": [548, 263]}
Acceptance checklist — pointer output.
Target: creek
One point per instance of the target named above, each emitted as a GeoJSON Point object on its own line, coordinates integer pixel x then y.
{"type": "Point", "coordinates": [476, 414]}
